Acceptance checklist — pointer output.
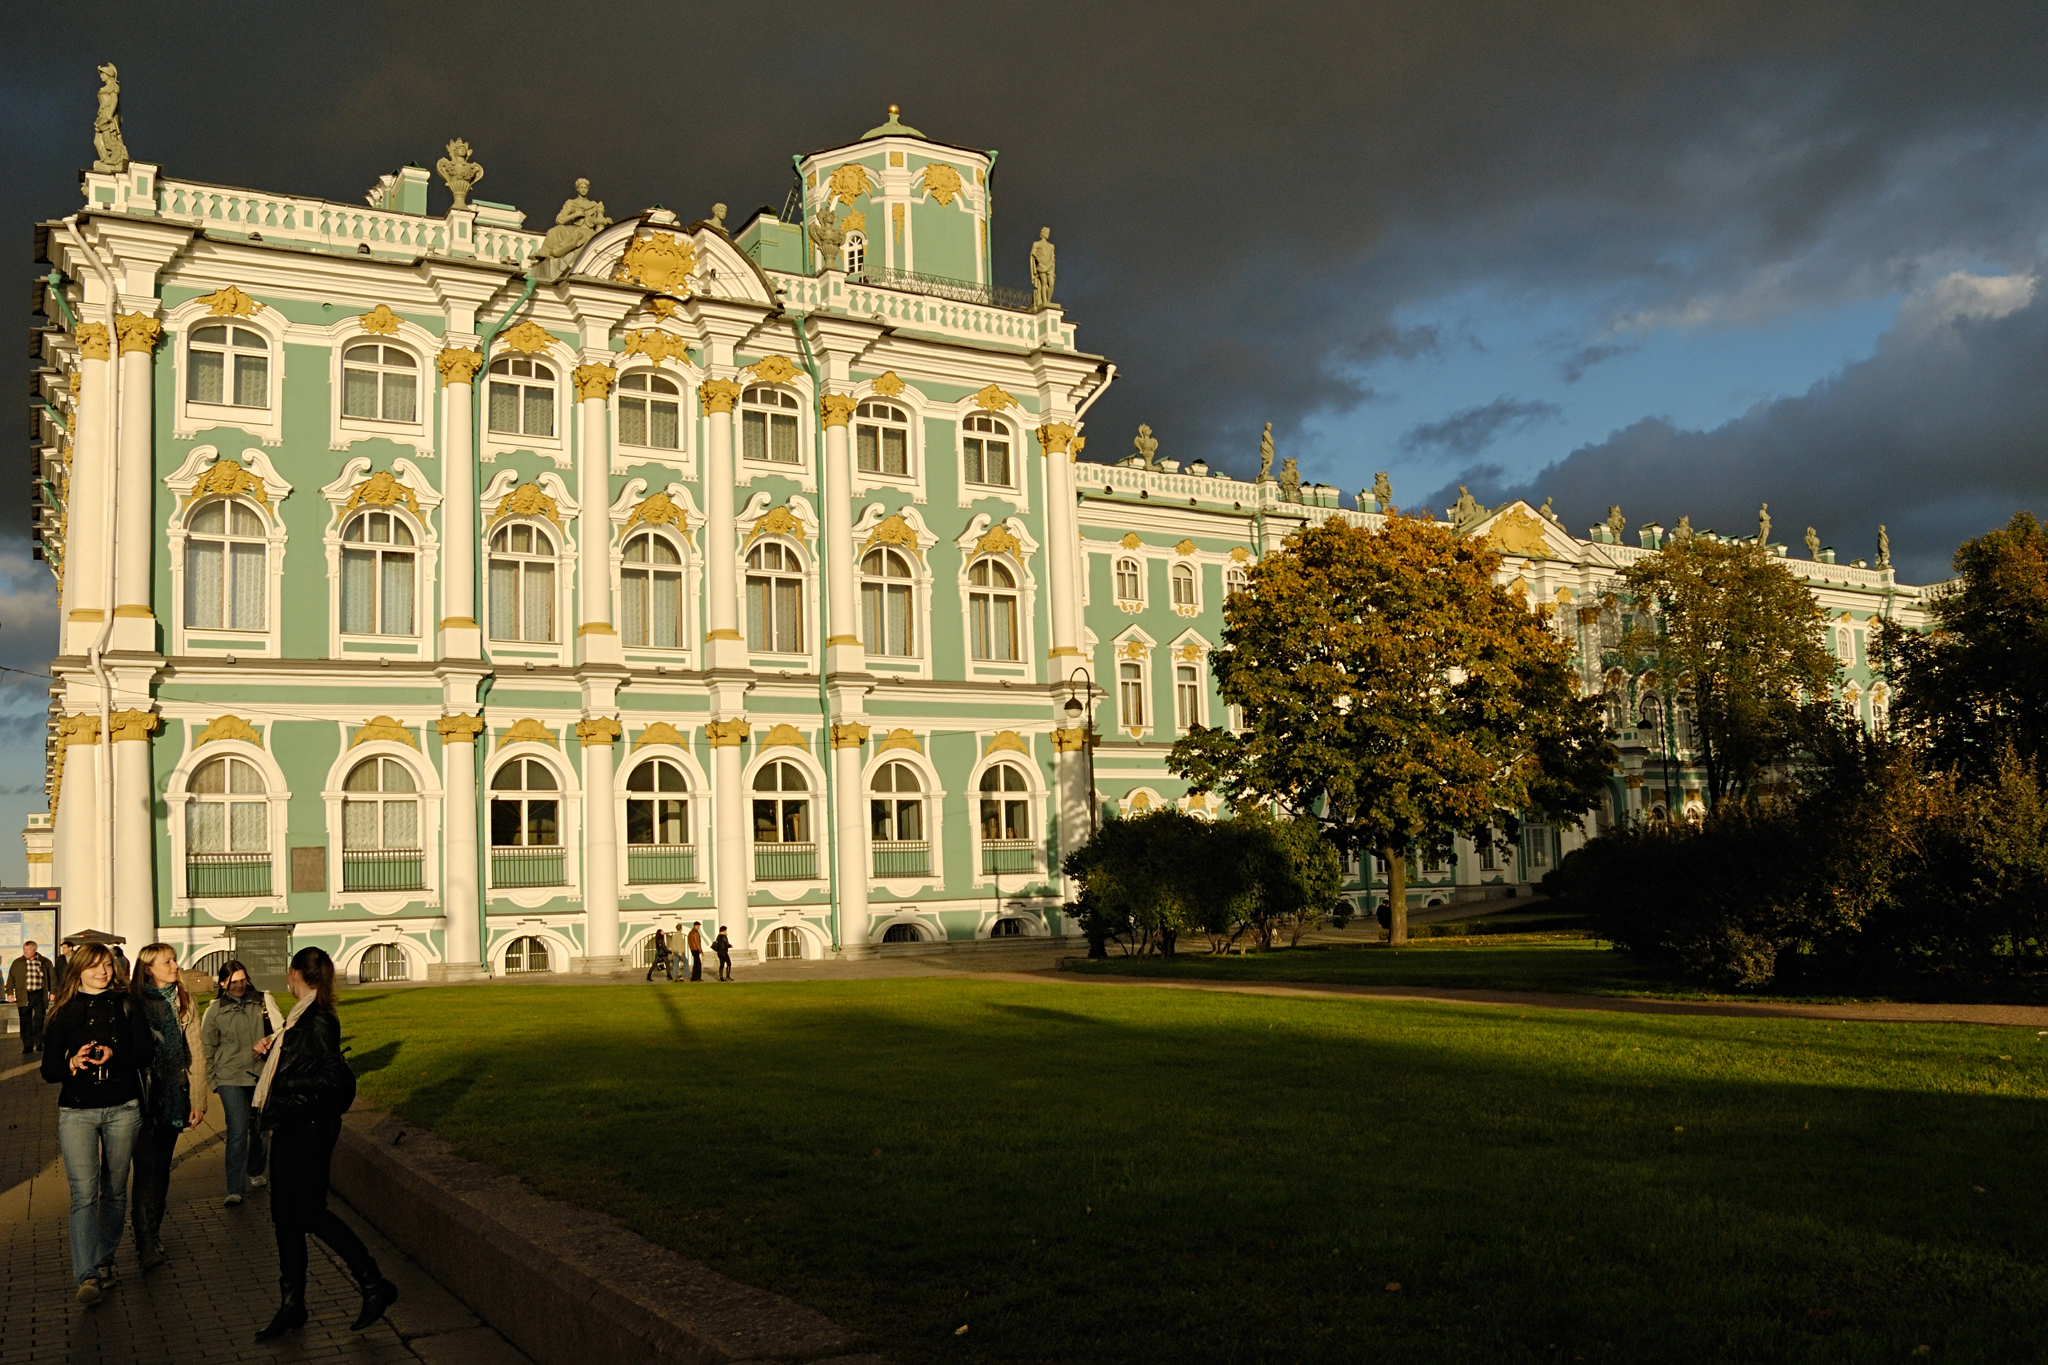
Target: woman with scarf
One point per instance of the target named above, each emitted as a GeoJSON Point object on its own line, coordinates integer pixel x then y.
{"type": "Point", "coordinates": [305, 1088]}
{"type": "Point", "coordinates": [96, 1044]}
{"type": "Point", "coordinates": [174, 1096]}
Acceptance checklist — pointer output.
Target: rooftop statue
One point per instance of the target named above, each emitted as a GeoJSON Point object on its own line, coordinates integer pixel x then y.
{"type": "Point", "coordinates": [1382, 490]}
{"type": "Point", "coordinates": [1145, 445]}
{"type": "Point", "coordinates": [1041, 270]}
{"type": "Point", "coordinates": [1549, 513]}
{"type": "Point", "coordinates": [1290, 480]}
{"type": "Point", "coordinates": [110, 152]}
{"type": "Point", "coordinates": [826, 235]}
{"type": "Point", "coordinates": [1682, 532]}
{"type": "Point", "coordinates": [1266, 454]}
{"type": "Point", "coordinates": [1812, 543]}
{"type": "Point", "coordinates": [1884, 548]}
{"type": "Point", "coordinates": [1467, 508]}
{"type": "Point", "coordinates": [458, 172]}
{"type": "Point", "coordinates": [718, 217]}
{"type": "Point", "coordinates": [581, 219]}
{"type": "Point", "coordinates": [1616, 523]}
{"type": "Point", "coordinates": [1763, 524]}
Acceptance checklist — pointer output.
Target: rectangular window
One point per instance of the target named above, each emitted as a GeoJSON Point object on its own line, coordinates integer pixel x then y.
{"type": "Point", "coordinates": [1187, 697]}
{"type": "Point", "coordinates": [204, 565]}
{"type": "Point", "coordinates": [868, 449]}
{"type": "Point", "coordinates": [667, 611]}
{"type": "Point", "coordinates": [246, 565]}
{"type": "Point", "coordinates": [504, 587]}
{"type": "Point", "coordinates": [540, 412]}
{"type": "Point", "coordinates": [358, 824]}
{"type": "Point", "coordinates": [248, 827]}
{"type": "Point", "coordinates": [883, 450]}
{"type": "Point", "coordinates": [505, 409]}
{"type": "Point", "coordinates": [754, 435]}
{"type": "Point", "coordinates": [664, 428]}
{"type": "Point", "coordinates": [633, 606]}
{"type": "Point", "coordinates": [358, 393]}
{"type": "Point", "coordinates": [397, 595]}
{"type": "Point", "coordinates": [401, 824]}
{"type": "Point", "coordinates": [252, 381]}
{"type": "Point", "coordinates": [633, 421]}
{"type": "Point", "coordinates": [206, 828]}
{"type": "Point", "coordinates": [399, 395]}
{"type": "Point", "coordinates": [789, 621]}
{"type": "Point", "coordinates": [988, 461]}
{"type": "Point", "coordinates": [782, 439]}
{"type": "Point", "coordinates": [1484, 843]}
{"type": "Point", "coordinates": [206, 381]}
{"type": "Point", "coordinates": [1539, 846]}
{"type": "Point", "coordinates": [537, 617]}
{"type": "Point", "coordinates": [1131, 694]}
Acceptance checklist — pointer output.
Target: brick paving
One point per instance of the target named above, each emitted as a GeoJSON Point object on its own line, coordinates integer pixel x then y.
{"type": "Point", "coordinates": [220, 1285]}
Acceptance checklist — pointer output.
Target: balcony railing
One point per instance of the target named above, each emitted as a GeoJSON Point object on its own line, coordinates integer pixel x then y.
{"type": "Point", "coordinates": [227, 874]}
{"type": "Point", "coordinates": [903, 858]}
{"type": "Point", "coordinates": [383, 869]}
{"type": "Point", "coordinates": [1008, 855]}
{"type": "Point", "coordinates": [946, 287]}
{"type": "Point", "coordinates": [527, 867]}
{"type": "Point", "coordinates": [785, 862]}
{"type": "Point", "coordinates": [655, 863]}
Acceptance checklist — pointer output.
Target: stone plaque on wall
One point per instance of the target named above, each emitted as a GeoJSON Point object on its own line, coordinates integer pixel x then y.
{"type": "Point", "coordinates": [309, 869]}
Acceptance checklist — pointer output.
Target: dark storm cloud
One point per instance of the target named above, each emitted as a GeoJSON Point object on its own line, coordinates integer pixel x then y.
{"type": "Point", "coordinates": [1573, 368]}
{"type": "Point", "coordinates": [1467, 432]}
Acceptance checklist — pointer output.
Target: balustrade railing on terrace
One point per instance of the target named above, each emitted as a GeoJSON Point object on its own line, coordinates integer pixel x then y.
{"type": "Point", "coordinates": [227, 874]}
{"type": "Point", "coordinates": [482, 230]}
{"type": "Point", "coordinates": [653, 863]}
{"type": "Point", "coordinates": [527, 867]}
{"type": "Point", "coordinates": [970, 316]}
{"type": "Point", "coordinates": [382, 869]}
{"type": "Point", "coordinates": [785, 862]}
{"type": "Point", "coordinates": [903, 858]}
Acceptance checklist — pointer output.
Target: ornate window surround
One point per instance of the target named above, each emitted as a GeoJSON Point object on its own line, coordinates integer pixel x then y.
{"type": "Point", "coordinates": [684, 537]}
{"type": "Point", "coordinates": [423, 346]}
{"type": "Point", "coordinates": [410, 479]}
{"type": "Point", "coordinates": [698, 797]}
{"type": "Point", "coordinates": [566, 545]}
{"type": "Point", "coordinates": [685, 376]}
{"type": "Point", "coordinates": [1027, 665]}
{"type": "Point", "coordinates": [821, 837]}
{"type": "Point", "coordinates": [563, 359]}
{"type": "Point", "coordinates": [757, 508]}
{"type": "Point", "coordinates": [1141, 647]}
{"type": "Point", "coordinates": [1026, 460]}
{"type": "Point", "coordinates": [922, 583]}
{"type": "Point", "coordinates": [804, 473]}
{"type": "Point", "coordinates": [569, 789]}
{"type": "Point", "coordinates": [1036, 795]}
{"type": "Point", "coordinates": [418, 956]}
{"type": "Point", "coordinates": [915, 482]}
{"type": "Point", "coordinates": [935, 820]}
{"type": "Point", "coordinates": [1176, 651]}
{"type": "Point", "coordinates": [182, 482]}
{"type": "Point", "coordinates": [276, 793]}
{"type": "Point", "coordinates": [188, 419]}
{"type": "Point", "coordinates": [431, 796]}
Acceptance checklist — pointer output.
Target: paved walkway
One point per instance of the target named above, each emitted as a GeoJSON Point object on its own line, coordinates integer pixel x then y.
{"type": "Point", "coordinates": [220, 1284]}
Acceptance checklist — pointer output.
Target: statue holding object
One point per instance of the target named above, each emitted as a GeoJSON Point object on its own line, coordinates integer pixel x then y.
{"type": "Point", "coordinates": [109, 149]}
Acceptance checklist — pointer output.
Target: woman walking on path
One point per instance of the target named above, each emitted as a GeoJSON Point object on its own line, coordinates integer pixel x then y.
{"type": "Point", "coordinates": [95, 1044]}
{"type": "Point", "coordinates": [173, 1097]}
{"type": "Point", "coordinates": [239, 1017]}
{"type": "Point", "coordinates": [723, 947]}
{"type": "Point", "coordinates": [305, 1089]}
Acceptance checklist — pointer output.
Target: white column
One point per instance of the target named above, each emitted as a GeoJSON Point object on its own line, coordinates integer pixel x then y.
{"type": "Point", "coordinates": [725, 647]}
{"type": "Point", "coordinates": [730, 873]}
{"type": "Point", "coordinates": [461, 953]}
{"type": "Point", "coordinates": [461, 636]}
{"type": "Point", "coordinates": [134, 842]}
{"type": "Point", "coordinates": [77, 866]}
{"type": "Point", "coordinates": [135, 473]}
{"type": "Point", "coordinates": [1070, 743]}
{"type": "Point", "coordinates": [1056, 438]}
{"type": "Point", "coordinates": [600, 846]}
{"type": "Point", "coordinates": [88, 515]}
{"type": "Point", "coordinates": [596, 639]}
{"type": "Point", "coordinates": [850, 837]}
{"type": "Point", "coordinates": [843, 651]}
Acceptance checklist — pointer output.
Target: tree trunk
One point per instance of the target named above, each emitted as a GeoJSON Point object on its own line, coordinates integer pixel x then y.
{"type": "Point", "coordinates": [1397, 894]}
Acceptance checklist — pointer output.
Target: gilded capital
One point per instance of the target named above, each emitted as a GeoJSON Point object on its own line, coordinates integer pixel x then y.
{"type": "Point", "coordinates": [838, 408]}
{"type": "Point", "coordinates": [135, 723]}
{"type": "Point", "coordinates": [849, 735]}
{"type": "Point", "coordinates": [598, 730]}
{"type": "Point", "coordinates": [459, 729]}
{"type": "Point", "coordinates": [459, 364]}
{"type": "Point", "coordinates": [1071, 740]}
{"type": "Point", "coordinates": [1055, 436]}
{"type": "Point", "coordinates": [83, 728]}
{"type": "Point", "coordinates": [718, 395]}
{"type": "Point", "coordinates": [594, 381]}
{"type": "Point", "coordinates": [92, 340]}
{"type": "Point", "coordinates": [138, 332]}
{"type": "Point", "coordinates": [726, 734]}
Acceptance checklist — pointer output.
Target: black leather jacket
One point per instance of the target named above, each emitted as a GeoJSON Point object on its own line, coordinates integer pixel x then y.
{"type": "Point", "coordinates": [313, 1081]}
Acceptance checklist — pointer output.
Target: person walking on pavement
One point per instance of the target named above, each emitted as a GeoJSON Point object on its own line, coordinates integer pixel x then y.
{"type": "Point", "coordinates": [676, 963]}
{"type": "Point", "coordinates": [28, 990]}
{"type": "Point", "coordinates": [96, 1046]}
{"type": "Point", "coordinates": [660, 962]}
{"type": "Point", "coordinates": [304, 1090]}
{"type": "Point", "coordinates": [723, 947]}
{"type": "Point", "coordinates": [239, 1017]}
{"type": "Point", "coordinates": [174, 1095]}
{"type": "Point", "coordinates": [696, 950]}
{"type": "Point", "coordinates": [120, 969]}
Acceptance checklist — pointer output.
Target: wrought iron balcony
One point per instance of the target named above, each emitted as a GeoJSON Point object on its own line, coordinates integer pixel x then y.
{"type": "Point", "coordinates": [512, 867]}
{"type": "Point", "coordinates": [649, 863]}
{"type": "Point", "coordinates": [785, 862]}
{"type": "Point", "coordinates": [903, 858]}
{"type": "Point", "coordinates": [1008, 855]}
{"type": "Point", "coordinates": [227, 874]}
{"type": "Point", "coordinates": [383, 869]}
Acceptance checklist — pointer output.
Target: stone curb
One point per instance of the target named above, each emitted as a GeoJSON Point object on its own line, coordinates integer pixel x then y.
{"type": "Point", "coordinates": [563, 1284]}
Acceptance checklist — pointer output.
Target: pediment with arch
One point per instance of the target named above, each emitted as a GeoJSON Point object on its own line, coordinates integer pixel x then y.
{"type": "Point", "coordinates": [657, 252]}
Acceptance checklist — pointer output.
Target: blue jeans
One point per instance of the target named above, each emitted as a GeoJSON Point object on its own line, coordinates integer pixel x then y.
{"type": "Point", "coordinates": [97, 1145]}
{"type": "Point", "coordinates": [245, 1145]}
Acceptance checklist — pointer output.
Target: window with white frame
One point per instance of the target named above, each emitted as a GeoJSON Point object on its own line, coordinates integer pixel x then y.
{"type": "Point", "coordinates": [522, 398]}
{"type": "Point", "coordinates": [1880, 704]}
{"type": "Point", "coordinates": [227, 559]}
{"type": "Point", "coordinates": [1130, 696]}
{"type": "Point", "coordinates": [380, 807]}
{"type": "Point", "coordinates": [1005, 804]}
{"type": "Point", "coordinates": [526, 806]}
{"type": "Point", "coordinates": [1187, 697]}
{"type": "Point", "coordinates": [986, 446]}
{"type": "Point", "coordinates": [1130, 579]}
{"type": "Point", "coordinates": [775, 599]}
{"type": "Point", "coordinates": [657, 805]}
{"type": "Point", "coordinates": [383, 962]}
{"type": "Point", "coordinates": [527, 953]}
{"type": "Point", "coordinates": [1845, 645]}
{"type": "Point", "coordinates": [522, 584]}
{"type": "Point", "coordinates": [782, 805]}
{"type": "Point", "coordinates": [650, 411]}
{"type": "Point", "coordinates": [768, 425]}
{"type": "Point", "coordinates": [881, 438]}
{"type": "Point", "coordinates": [896, 805]}
{"type": "Point", "coordinates": [1183, 581]}
{"type": "Point", "coordinates": [856, 253]}
{"type": "Point", "coordinates": [381, 383]}
{"type": "Point", "coordinates": [785, 943]}
{"type": "Point", "coordinates": [888, 623]}
{"type": "Point", "coordinates": [227, 812]}
{"type": "Point", "coordinates": [992, 612]}
{"type": "Point", "coordinates": [651, 593]}
{"type": "Point", "coordinates": [228, 365]}
{"type": "Point", "coordinates": [1236, 580]}
{"type": "Point", "coordinates": [377, 575]}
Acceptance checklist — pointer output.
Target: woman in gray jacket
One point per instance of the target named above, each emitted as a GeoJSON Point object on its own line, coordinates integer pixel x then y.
{"type": "Point", "coordinates": [239, 1016]}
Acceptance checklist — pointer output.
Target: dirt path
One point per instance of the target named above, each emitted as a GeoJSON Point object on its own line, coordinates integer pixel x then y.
{"type": "Point", "coordinates": [2028, 1016]}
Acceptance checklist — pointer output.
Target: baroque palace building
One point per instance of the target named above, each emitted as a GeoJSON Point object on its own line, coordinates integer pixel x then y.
{"type": "Point", "coordinates": [471, 599]}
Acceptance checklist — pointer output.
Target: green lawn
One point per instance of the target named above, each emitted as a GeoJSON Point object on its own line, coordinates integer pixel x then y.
{"type": "Point", "coordinates": [1079, 1173]}
{"type": "Point", "coordinates": [1570, 963]}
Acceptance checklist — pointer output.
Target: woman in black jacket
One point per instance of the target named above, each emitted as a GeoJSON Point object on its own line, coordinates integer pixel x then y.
{"type": "Point", "coordinates": [305, 1089]}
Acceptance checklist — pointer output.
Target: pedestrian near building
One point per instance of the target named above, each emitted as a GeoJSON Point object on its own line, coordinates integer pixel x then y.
{"type": "Point", "coordinates": [173, 1095]}
{"type": "Point", "coordinates": [677, 966]}
{"type": "Point", "coordinates": [696, 950]}
{"type": "Point", "coordinates": [723, 947]}
{"type": "Point", "coordinates": [28, 990]}
{"type": "Point", "coordinates": [95, 1046]}
{"type": "Point", "coordinates": [239, 1017]}
{"type": "Point", "coordinates": [121, 971]}
{"type": "Point", "coordinates": [304, 1090]}
{"type": "Point", "coordinates": [660, 962]}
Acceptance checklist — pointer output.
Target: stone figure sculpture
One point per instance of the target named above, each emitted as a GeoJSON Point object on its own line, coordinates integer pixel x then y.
{"type": "Point", "coordinates": [1041, 270]}
{"type": "Point", "coordinates": [718, 217]}
{"type": "Point", "coordinates": [1382, 490]}
{"type": "Point", "coordinates": [1682, 532]}
{"type": "Point", "coordinates": [826, 236]}
{"type": "Point", "coordinates": [109, 150]}
{"type": "Point", "coordinates": [1812, 543]}
{"type": "Point", "coordinates": [581, 219]}
{"type": "Point", "coordinates": [1145, 445]}
{"type": "Point", "coordinates": [1290, 480]}
{"type": "Point", "coordinates": [1616, 523]}
{"type": "Point", "coordinates": [1467, 508]}
{"type": "Point", "coordinates": [1884, 548]}
{"type": "Point", "coordinates": [1549, 513]}
{"type": "Point", "coordinates": [458, 172]}
{"type": "Point", "coordinates": [1266, 454]}
{"type": "Point", "coordinates": [1763, 524]}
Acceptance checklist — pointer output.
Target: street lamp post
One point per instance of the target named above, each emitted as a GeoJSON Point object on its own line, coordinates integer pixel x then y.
{"type": "Point", "coordinates": [1074, 710]}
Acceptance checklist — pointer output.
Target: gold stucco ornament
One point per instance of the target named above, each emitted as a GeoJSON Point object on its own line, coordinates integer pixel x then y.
{"type": "Point", "coordinates": [774, 369]}
{"type": "Point", "coordinates": [459, 729]}
{"type": "Point", "coordinates": [659, 261]}
{"type": "Point", "coordinates": [900, 739]}
{"type": "Point", "coordinates": [656, 509]}
{"type": "Point", "coordinates": [1006, 741]}
{"type": "Point", "coordinates": [849, 735]}
{"type": "Point", "coordinates": [1055, 436]}
{"type": "Point", "coordinates": [718, 395]}
{"type": "Point", "coordinates": [458, 365]}
{"type": "Point", "coordinates": [528, 731]}
{"type": "Point", "coordinates": [848, 183]}
{"type": "Point", "coordinates": [992, 398]}
{"type": "Point", "coordinates": [527, 500]}
{"type": "Point", "coordinates": [228, 727]}
{"type": "Point", "coordinates": [598, 730]}
{"type": "Point", "coordinates": [138, 332]}
{"type": "Point", "coordinates": [887, 384]}
{"type": "Point", "coordinates": [380, 320]}
{"type": "Point", "coordinates": [528, 337]}
{"type": "Point", "coordinates": [942, 182]}
{"type": "Point", "coordinates": [726, 734]}
{"type": "Point", "coordinates": [594, 381]}
{"type": "Point", "coordinates": [225, 478]}
{"type": "Point", "coordinates": [381, 489]}
{"type": "Point", "coordinates": [838, 408]}
{"type": "Point", "coordinates": [93, 343]}
{"type": "Point", "coordinates": [230, 302]}
{"type": "Point", "coordinates": [893, 530]}
{"type": "Point", "coordinates": [785, 736]}
{"type": "Point", "coordinates": [661, 732]}
{"type": "Point", "coordinates": [1516, 532]}
{"type": "Point", "coordinates": [778, 521]}
{"type": "Point", "coordinates": [999, 540]}
{"type": "Point", "coordinates": [384, 728]}
{"type": "Point", "coordinates": [657, 345]}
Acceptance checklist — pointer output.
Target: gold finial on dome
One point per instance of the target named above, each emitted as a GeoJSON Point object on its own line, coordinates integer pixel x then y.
{"type": "Point", "coordinates": [894, 111]}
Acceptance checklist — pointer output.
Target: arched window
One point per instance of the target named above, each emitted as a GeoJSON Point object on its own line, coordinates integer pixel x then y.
{"type": "Point", "coordinates": [522, 398]}
{"type": "Point", "coordinates": [1187, 697]}
{"type": "Point", "coordinates": [1880, 706]}
{"type": "Point", "coordinates": [227, 830]}
{"type": "Point", "coordinates": [1005, 809]}
{"type": "Point", "coordinates": [1130, 697]}
{"type": "Point", "coordinates": [209, 966]}
{"type": "Point", "coordinates": [522, 584]}
{"type": "Point", "coordinates": [881, 438]}
{"type": "Point", "coordinates": [1236, 580]}
{"type": "Point", "coordinates": [987, 448]}
{"type": "Point", "coordinates": [377, 575]}
{"type": "Point", "coordinates": [856, 253]}
{"type": "Point", "coordinates": [1183, 578]}
{"type": "Point", "coordinates": [768, 425]}
{"type": "Point", "coordinates": [380, 828]}
{"type": "Point", "coordinates": [992, 611]}
{"type": "Point", "coordinates": [528, 954]}
{"type": "Point", "coordinates": [902, 933]}
{"type": "Point", "coordinates": [775, 599]}
{"type": "Point", "coordinates": [783, 850]}
{"type": "Point", "coordinates": [1129, 581]}
{"type": "Point", "coordinates": [388, 962]}
{"type": "Point", "coordinates": [380, 382]}
{"type": "Point", "coordinates": [1845, 645]}
{"type": "Point", "coordinates": [1007, 927]}
{"type": "Point", "coordinates": [650, 411]}
{"type": "Point", "coordinates": [785, 943]}
{"type": "Point", "coordinates": [226, 567]}
{"type": "Point", "coordinates": [888, 626]}
{"type": "Point", "coordinates": [896, 809]}
{"type": "Point", "coordinates": [651, 593]}
{"type": "Point", "coordinates": [526, 825]}
{"type": "Point", "coordinates": [658, 847]}
{"type": "Point", "coordinates": [229, 365]}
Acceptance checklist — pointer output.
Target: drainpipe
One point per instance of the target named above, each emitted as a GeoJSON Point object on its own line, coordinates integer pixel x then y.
{"type": "Point", "coordinates": [803, 342]}
{"type": "Point", "coordinates": [95, 659]}
{"type": "Point", "coordinates": [988, 218]}
{"type": "Point", "coordinates": [478, 608]}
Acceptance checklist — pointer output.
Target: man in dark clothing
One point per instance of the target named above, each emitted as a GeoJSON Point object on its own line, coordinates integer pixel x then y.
{"type": "Point", "coordinates": [696, 950]}
{"type": "Point", "coordinates": [660, 956]}
{"type": "Point", "coordinates": [723, 947]}
{"type": "Point", "coordinates": [28, 990]}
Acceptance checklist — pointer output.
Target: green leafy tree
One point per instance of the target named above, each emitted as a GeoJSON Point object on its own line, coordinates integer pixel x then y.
{"type": "Point", "coordinates": [1741, 640]}
{"type": "Point", "coordinates": [1979, 680]}
{"type": "Point", "coordinates": [1394, 693]}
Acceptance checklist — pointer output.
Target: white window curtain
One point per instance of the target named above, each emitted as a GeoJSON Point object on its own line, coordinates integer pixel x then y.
{"type": "Point", "coordinates": [204, 562]}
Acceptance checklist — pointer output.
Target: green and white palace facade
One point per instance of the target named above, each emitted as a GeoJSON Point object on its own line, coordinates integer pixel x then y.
{"type": "Point", "coordinates": [470, 609]}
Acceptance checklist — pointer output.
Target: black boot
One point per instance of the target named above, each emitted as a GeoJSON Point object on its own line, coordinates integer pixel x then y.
{"type": "Point", "coordinates": [378, 1295]}
{"type": "Point", "coordinates": [291, 1314]}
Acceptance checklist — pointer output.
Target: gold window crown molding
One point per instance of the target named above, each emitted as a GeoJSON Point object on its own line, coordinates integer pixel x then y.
{"type": "Point", "coordinates": [381, 489]}
{"type": "Point", "coordinates": [380, 321]}
{"type": "Point", "coordinates": [661, 732]}
{"type": "Point", "coordinates": [1006, 741]}
{"type": "Point", "coordinates": [527, 500]}
{"type": "Point", "coordinates": [893, 530]}
{"type": "Point", "coordinates": [656, 509]}
{"type": "Point", "coordinates": [528, 338]}
{"type": "Point", "coordinates": [528, 731]}
{"type": "Point", "coordinates": [993, 398]}
{"type": "Point", "coordinates": [899, 739]}
{"type": "Point", "coordinates": [1134, 650]}
{"type": "Point", "coordinates": [230, 302]}
{"type": "Point", "coordinates": [887, 384]}
{"type": "Point", "coordinates": [999, 540]}
{"type": "Point", "coordinates": [657, 345]}
{"type": "Point", "coordinates": [1188, 652]}
{"type": "Point", "coordinates": [778, 521]}
{"type": "Point", "coordinates": [1130, 540]}
{"type": "Point", "coordinates": [785, 736]}
{"type": "Point", "coordinates": [384, 728]}
{"type": "Point", "coordinates": [773, 369]}
{"type": "Point", "coordinates": [1186, 547]}
{"type": "Point", "coordinates": [225, 477]}
{"type": "Point", "coordinates": [228, 727]}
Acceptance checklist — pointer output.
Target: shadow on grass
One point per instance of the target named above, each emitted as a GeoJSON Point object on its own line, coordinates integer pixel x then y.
{"type": "Point", "coordinates": [374, 1060]}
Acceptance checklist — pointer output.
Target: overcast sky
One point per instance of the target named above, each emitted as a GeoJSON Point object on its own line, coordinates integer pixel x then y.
{"type": "Point", "coordinates": [1684, 258]}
